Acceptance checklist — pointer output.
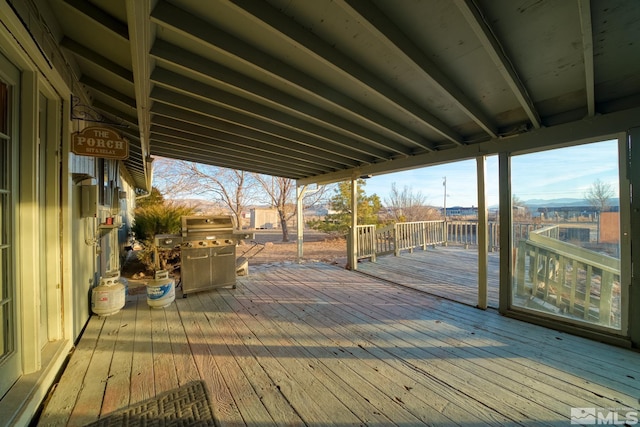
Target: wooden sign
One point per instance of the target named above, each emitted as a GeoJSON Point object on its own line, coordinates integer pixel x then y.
{"type": "Point", "coordinates": [101, 142]}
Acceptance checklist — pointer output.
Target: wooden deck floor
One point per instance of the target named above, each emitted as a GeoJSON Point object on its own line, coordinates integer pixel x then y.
{"type": "Point", "coordinates": [450, 272]}
{"type": "Point", "coordinates": [318, 345]}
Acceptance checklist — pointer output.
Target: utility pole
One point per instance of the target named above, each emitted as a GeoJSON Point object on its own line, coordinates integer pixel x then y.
{"type": "Point", "coordinates": [444, 183]}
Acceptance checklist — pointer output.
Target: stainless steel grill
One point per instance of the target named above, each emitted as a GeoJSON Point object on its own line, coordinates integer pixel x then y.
{"type": "Point", "coordinates": [208, 252]}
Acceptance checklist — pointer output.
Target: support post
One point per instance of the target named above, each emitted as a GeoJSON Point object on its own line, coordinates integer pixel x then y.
{"type": "Point", "coordinates": [506, 254]}
{"type": "Point", "coordinates": [300, 190]}
{"type": "Point", "coordinates": [353, 255]}
{"type": "Point", "coordinates": [482, 234]}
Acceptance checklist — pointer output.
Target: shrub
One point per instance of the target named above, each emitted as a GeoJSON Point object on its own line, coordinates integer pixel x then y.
{"type": "Point", "coordinates": [150, 220]}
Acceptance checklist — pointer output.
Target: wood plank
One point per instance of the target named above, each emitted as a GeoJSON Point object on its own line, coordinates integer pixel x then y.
{"type": "Point", "coordinates": [61, 404]}
{"type": "Point", "coordinates": [385, 403]}
{"type": "Point", "coordinates": [118, 389]}
{"type": "Point", "coordinates": [338, 383]}
{"type": "Point", "coordinates": [311, 398]}
{"type": "Point", "coordinates": [399, 378]}
{"type": "Point", "coordinates": [185, 365]}
{"type": "Point", "coordinates": [447, 272]}
{"type": "Point", "coordinates": [231, 332]}
{"type": "Point", "coordinates": [89, 404]}
{"type": "Point", "coordinates": [224, 407]}
{"type": "Point", "coordinates": [250, 404]}
{"type": "Point", "coordinates": [142, 379]}
{"type": "Point", "coordinates": [164, 367]}
{"type": "Point", "coordinates": [482, 364]}
{"type": "Point", "coordinates": [316, 344]}
{"type": "Point", "coordinates": [548, 347]}
{"type": "Point", "coordinates": [365, 304]}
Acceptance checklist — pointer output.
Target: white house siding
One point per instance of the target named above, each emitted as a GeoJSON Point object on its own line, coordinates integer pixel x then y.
{"type": "Point", "coordinates": [52, 304]}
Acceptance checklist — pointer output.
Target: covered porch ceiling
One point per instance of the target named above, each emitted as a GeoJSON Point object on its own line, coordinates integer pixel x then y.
{"type": "Point", "coordinates": [324, 89]}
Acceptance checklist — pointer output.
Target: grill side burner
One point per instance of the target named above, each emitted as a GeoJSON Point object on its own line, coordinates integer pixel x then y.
{"type": "Point", "coordinates": [208, 252]}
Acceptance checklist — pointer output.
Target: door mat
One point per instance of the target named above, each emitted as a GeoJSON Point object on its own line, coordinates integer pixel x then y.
{"type": "Point", "coordinates": [184, 406]}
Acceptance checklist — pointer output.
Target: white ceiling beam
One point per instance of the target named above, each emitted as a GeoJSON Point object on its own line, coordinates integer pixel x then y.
{"type": "Point", "coordinates": [273, 20]}
{"type": "Point", "coordinates": [494, 49]}
{"type": "Point", "coordinates": [220, 75]}
{"type": "Point", "coordinates": [164, 150]}
{"type": "Point", "coordinates": [190, 26]}
{"type": "Point", "coordinates": [380, 23]}
{"type": "Point", "coordinates": [206, 93]}
{"type": "Point", "coordinates": [590, 129]}
{"type": "Point", "coordinates": [100, 17]}
{"type": "Point", "coordinates": [201, 107]}
{"type": "Point", "coordinates": [95, 58]}
{"type": "Point", "coordinates": [245, 138]}
{"type": "Point", "coordinates": [584, 7]}
{"type": "Point", "coordinates": [243, 144]}
{"type": "Point", "coordinates": [138, 12]}
{"type": "Point", "coordinates": [179, 140]}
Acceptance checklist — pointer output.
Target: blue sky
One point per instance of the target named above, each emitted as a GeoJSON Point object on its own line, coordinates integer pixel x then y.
{"type": "Point", "coordinates": [560, 173]}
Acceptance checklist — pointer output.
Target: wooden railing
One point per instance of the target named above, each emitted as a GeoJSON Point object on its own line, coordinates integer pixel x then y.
{"type": "Point", "coordinates": [396, 237]}
{"type": "Point", "coordinates": [419, 234]}
{"type": "Point", "coordinates": [572, 280]}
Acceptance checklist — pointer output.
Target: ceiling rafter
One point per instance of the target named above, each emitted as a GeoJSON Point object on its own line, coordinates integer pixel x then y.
{"type": "Point", "coordinates": [165, 52]}
{"type": "Point", "coordinates": [169, 16]}
{"type": "Point", "coordinates": [200, 145]}
{"type": "Point", "coordinates": [95, 58]}
{"type": "Point", "coordinates": [197, 106]}
{"type": "Point", "coordinates": [139, 30]}
{"type": "Point", "coordinates": [246, 136]}
{"type": "Point", "coordinates": [247, 107]}
{"type": "Point", "coordinates": [244, 143]}
{"type": "Point", "coordinates": [584, 7]}
{"type": "Point", "coordinates": [492, 46]}
{"type": "Point", "coordinates": [380, 23]}
{"type": "Point", "coordinates": [164, 150]}
{"type": "Point", "coordinates": [267, 16]}
{"type": "Point", "coordinates": [100, 17]}
{"type": "Point", "coordinates": [131, 121]}
{"type": "Point", "coordinates": [109, 92]}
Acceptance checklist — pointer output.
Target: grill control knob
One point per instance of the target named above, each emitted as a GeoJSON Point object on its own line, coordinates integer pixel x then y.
{"type": "Point", "coordinates": [202, 243]}
{"type": "Point", "coordinates": [215, 242]}
{"type": "Point", "coordinates": [187, 245]}
{"type": "Point", "coordinates": [228, 242]}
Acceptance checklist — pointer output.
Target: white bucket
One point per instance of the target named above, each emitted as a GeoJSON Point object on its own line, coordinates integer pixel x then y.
{"type": "Point", "coordinates": [162, 291]}
{"type": "Point", "coordinates": [108, 297]}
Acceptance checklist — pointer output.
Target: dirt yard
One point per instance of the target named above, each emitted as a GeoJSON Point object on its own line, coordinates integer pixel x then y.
{"type": "Point", "coordinates": [266, 248]}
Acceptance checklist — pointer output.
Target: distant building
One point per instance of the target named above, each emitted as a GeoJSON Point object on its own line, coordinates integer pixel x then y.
{"type": "Point", "coordinates": [264, 218]}
{"type": "Point", "coordinates": [461, 211]}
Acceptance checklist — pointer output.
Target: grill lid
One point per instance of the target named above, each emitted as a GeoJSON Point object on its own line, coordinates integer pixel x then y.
{"type": "Point", "coordinates": [207, 227]}
{"type": "Point", "coordinates": [192, 225]}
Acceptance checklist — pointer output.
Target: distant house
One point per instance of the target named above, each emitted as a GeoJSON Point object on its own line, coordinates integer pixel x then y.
{"type": "Point", "coordinates": [461, 211]}
{"type": "Point", "coordinates": [264, 218]}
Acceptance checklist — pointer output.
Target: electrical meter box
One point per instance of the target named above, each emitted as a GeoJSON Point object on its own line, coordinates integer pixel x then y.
{"type": "Point", "coordinates": [88, 201]}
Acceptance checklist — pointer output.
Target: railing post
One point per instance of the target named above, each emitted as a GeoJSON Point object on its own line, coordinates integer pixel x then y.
{"type": "Point", "coordinates": [396, 246]}
{"type": "Point", "coordinates": [373, 243]}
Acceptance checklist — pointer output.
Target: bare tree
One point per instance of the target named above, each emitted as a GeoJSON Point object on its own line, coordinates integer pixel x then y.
{"type": "Point", "coordinates": [519, 208]}
{"type": "Point", "coordinates": [599, 194]}
{"type": "Point", "coordinates": [405, 205]}
{"type": "Point", "coordinates": [234, 189]}
{"type": "Point", "coordinates": [282, 196]}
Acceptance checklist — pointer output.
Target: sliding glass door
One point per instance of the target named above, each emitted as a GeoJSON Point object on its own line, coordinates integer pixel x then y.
{"type": "Point", "coordinates": [566, 234]}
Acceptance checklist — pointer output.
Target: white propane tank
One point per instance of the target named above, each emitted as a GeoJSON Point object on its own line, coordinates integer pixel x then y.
{"type": "Point", "coordinates": [109, 296]}
{"type": "Point", "coordinates": [162, 291]}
